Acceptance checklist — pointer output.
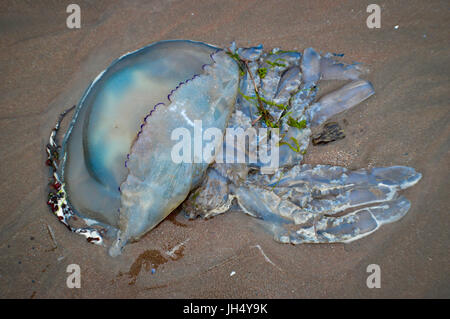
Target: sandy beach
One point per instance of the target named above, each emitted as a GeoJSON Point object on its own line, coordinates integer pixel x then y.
{"type": "Point", "coordinates": [45, 68]}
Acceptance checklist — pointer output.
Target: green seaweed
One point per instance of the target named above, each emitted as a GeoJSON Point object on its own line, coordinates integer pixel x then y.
{"type": "Point", "coordinates": [298, 124]}
{"type": "Point", "coordinates": [275, 63]}
{"type": "Point", "coordinates": [195, 195]}
{"type": "Point", "coordinates": [278, 182]}
{"type": "Point", "coordinates": [261, 103]}
{"type": "Point", "coordinates": [240, 63]}
{"type": "Point", "coordinates": [267, 102]}
{"type": "Point", "coordinates": [271, 103]}
{"type": "Point", "coordinates": [262, 72]}
{"type": "Point", "coordinates": [284, 51]}
{"type": "Point", "coordinates": [296, 148]}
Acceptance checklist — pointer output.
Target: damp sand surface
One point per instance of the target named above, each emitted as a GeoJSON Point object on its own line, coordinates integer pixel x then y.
{"type": "Point", "coordinates": [45, 68]}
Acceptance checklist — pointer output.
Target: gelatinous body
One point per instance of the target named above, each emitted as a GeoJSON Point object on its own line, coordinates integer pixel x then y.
{"type": "Point", "coordinates": [109, 116]}
{"type": "Point", "coordinates": [118, 171]}
{"type": "Point", "coordinates": [118, 168]}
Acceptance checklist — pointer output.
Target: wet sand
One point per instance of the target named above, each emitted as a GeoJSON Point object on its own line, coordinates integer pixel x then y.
{"type": "Point", "coordinates": [45, 68]}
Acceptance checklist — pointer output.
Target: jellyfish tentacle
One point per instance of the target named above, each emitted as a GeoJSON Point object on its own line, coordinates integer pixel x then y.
{"type": "Point", "coordinates": [311, 66]}
{"type": "Point", "coordinates": [314, 197]}
{"type": "Point", "coordinates": [302, 203]}
{"type": "Point", "coordinates": [333, 189]}
{"type": "Point", "coordinates": [282, 78]}
{"type": "Point", "coordinates": [332, 69]}
{"type": "Point", "coordinates": [340, 100]}
{"type": "Point", "coordinates": [211, 198]}
{"type": "Point", "coordinates": [347, 228]}
{"type": "Point", "coordinates": [299, 175]}
{"type": "Point", "coordinates": [265, 204]}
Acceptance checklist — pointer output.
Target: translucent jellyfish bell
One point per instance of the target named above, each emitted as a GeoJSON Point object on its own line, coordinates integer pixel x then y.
{"type": "Point", "coordinates": [138, 90]}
